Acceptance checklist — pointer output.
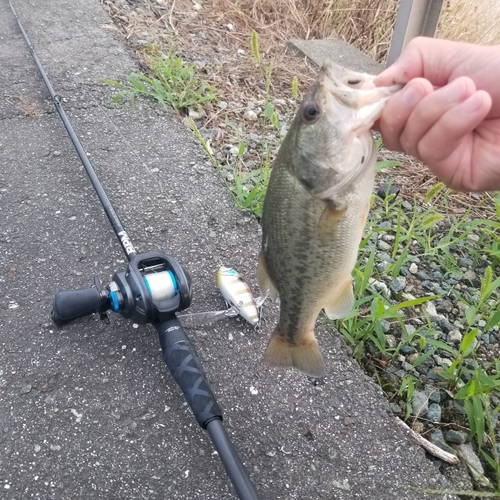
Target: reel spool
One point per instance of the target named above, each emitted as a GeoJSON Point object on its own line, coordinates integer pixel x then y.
{"type": "Point", "coordinates": [161, 286]}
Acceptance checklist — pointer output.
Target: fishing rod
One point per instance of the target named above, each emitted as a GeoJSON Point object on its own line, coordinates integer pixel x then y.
{"type": "Point", "coordinates": [151, 290]}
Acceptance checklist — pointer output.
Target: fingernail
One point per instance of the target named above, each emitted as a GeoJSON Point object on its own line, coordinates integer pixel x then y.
{"type": "Point", "coordinates": [454, 92]}
{"type": "Point", "coordinates": [412, 94]}
{"type": "Point", "coordinates": [472, 104]}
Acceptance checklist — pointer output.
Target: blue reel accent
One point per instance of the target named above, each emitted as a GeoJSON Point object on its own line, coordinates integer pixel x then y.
{"type": "Point", "coordinates": [115, 305]}
{"type": "Point", "coordinates": [174, 281]}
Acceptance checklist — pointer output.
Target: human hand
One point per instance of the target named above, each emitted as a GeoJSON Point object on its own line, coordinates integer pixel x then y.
{"type": "Point", "coordinates": [448, 114]}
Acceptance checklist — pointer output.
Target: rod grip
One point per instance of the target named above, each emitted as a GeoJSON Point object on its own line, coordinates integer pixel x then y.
{"type": "Point", "coordinates": [184, 364]}
{"type": "Point", "coordinates": [72, 304]}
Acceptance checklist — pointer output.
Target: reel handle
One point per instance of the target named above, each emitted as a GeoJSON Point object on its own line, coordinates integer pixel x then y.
{"type": "Point", "coordinates": [72, 304]}
{"type": "Point", "coordinates": [184, 364]}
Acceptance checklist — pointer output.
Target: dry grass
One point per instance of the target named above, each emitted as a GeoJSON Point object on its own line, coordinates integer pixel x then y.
{"type": "Point", "coordinates": [203, 35]}
{"type": "Point", "coordinates": [474, 21]}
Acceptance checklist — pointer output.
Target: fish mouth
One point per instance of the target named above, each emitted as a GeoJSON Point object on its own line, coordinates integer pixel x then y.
{"type": "Point", "coordinates": [358, 103]}
{"type": "Point", "coordinates": [352, 88]}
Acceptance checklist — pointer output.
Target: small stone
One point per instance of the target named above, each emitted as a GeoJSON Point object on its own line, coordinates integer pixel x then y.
{"type": "Point", "coordinates": [432, 393]}
{"type": "Point", "coordinates": [462, 262]}
{"type": "Point", "coordinates": [407, 366]}
{"type": "Point", "coordinates": [37, 448]}
{"type": "Point", "coordinates": [454, 336]}
{"type": "Point", "coordinates": [387, 224]}
{"type": "Point", "coordinates": [386, 190]}
{"type": "Point", "coordinates": [383, 245]}
{"type": "Point", "coordinates": [413, 268]}
{"type": "Point", "coordinates": [398, 284]}
{"type": "Point", "coordinates": [395, 408]}
{"type": "Point", "coordinates": [194, 114]}
{"type": "Point", "coordinates": [386, 325]}
{"type": "Point", "coordinates": [473, 237]}
{"type": "Point", "coordinates": [419, 403]}
{"type": "Point", "coordinates": [412, 358]}
{"type": "Point", "coordinates": [444, 305]}
{"type": "Point", "coordinates": [407, 349]}
{"type": "Point", "coordinates": [418, 427]}
{"type": "Point", "coordinates": [391, 340]}
{"type": "Point", "coordinates": [423, 276]}
{"type": "Point", "coordinates": [407, 205]}
{"type": "Point", "coordinates": [437, 438]}
{"type": "Point", "coordinates": [26, 389]}
{"type": "Point", "coordinates": [456, 437]}
{"type": "Point", "coordinates": [56, 153]}
{"type": "Point", "coordinates": [410, 329]}
{"type": "Point", "coordinates": [473, 462]}
{"type": "Point", "coordinates": [250, 116]}
{"type": "Point", "coordinates": [434, 413]}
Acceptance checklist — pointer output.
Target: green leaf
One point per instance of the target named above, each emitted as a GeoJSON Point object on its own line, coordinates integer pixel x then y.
{"type": "Point", "coordinates": [381, 165]}
{"type": "Point", "coordinates": [470, 314]}
{"type": "Point", "coordinates": [465, 345]}
{"type": "Point", "coordinates": [367, 271]}
{"type": "Point", "coordinates": [485, 283]}
{"type": "Point", "coordinates": [493, 320]}
{"type": "Point", "coordinates": [478, 413]}
{"type": "Point", "coordinates": [423, 357]}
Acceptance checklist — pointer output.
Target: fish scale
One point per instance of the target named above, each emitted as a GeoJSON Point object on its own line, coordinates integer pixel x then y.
{"type": "Point", "coordinates": [315, 210]}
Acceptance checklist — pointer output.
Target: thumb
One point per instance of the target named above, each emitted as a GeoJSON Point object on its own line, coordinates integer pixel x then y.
{"type": "Point", "coordinates": [428, 58]}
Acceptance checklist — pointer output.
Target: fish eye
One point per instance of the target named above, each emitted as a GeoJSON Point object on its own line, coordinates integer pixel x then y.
{"type": "Point", "coordinates": [311, 112]}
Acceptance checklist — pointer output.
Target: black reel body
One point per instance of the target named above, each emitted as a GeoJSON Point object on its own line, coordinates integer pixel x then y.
{"type": "Point", "coordinates": [152, 288]}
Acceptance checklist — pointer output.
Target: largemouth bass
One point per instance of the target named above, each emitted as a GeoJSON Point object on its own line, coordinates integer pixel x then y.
{"type": "Point", "coordinates": [315, 210]}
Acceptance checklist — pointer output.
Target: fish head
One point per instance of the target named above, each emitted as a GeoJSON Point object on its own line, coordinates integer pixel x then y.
{"type": "Point", "coordinates": [330, 142]}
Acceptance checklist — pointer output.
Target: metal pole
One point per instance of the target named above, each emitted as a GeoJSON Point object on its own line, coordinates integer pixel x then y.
{"type": "Point", "coordinates": [415, 18]}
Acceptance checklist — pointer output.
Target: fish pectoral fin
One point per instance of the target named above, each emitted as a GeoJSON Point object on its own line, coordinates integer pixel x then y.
{"type": "Point", "coordinates": [266, 284]}
{"type": "Point", "coordinates": [342, 304]}
{"type": "Point", "coordinates": [329, 221]}
{"type": "Point", "coordinates": [304, 355]}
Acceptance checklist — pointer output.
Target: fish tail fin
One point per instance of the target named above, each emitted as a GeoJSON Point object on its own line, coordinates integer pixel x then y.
{"type": "Point", "coordinates": [304, 356]}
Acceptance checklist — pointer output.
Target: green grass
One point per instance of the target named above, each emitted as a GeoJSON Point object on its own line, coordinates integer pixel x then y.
{"type": "Point", "coordinates": [169, 81]}
{"type": "Point", "coordinates": [432, 234]}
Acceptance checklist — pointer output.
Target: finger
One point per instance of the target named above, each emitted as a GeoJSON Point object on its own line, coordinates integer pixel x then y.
{"type": "Point", "coordinates": [430, 109]}
{"type": "Point", "coordinates": [429, 58]}
{"type": "Point", "coordinates": [444, 138]}
{"type": "Point", "coordinates": [398, 109]}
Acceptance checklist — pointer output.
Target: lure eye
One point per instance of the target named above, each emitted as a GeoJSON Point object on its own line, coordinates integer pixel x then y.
{"type": "Point", "coordinates": [311, 112]}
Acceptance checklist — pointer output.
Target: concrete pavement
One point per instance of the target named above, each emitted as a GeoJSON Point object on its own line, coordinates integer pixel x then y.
{"type": "Point", "coordinates": [89, 411]}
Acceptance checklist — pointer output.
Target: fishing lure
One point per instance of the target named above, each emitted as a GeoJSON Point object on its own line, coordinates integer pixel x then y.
{"type": "Point", "coordinates": [238, 294]}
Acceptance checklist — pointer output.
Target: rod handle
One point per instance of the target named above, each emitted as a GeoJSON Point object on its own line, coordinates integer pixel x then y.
{"type": "Point", "coordinates": [72, 304]}
{"type": "Point", "coordinates": [184, 364]}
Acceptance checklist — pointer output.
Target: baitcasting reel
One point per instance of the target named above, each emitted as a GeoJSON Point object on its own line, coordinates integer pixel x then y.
{"type": "Point", "coordinates": [153, 287]}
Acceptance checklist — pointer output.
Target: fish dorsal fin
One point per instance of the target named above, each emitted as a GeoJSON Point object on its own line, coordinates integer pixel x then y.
{"type": "Point", "coordinates": [342, 304]}
{"type": "Point", "coordinates": [329, 221]}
